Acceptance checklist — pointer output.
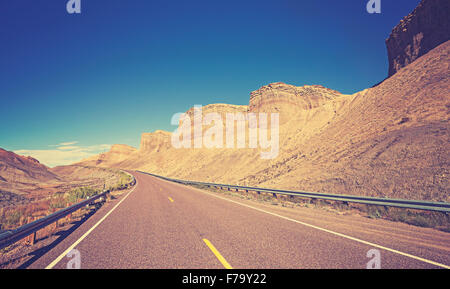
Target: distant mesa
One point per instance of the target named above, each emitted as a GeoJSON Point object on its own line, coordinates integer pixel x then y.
{"type": "Point", "coordinates": [122, 149]}
{"type": "Point", "coordinates": [117, 153]}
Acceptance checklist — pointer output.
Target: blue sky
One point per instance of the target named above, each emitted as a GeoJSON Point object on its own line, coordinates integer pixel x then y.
{"type": "Point", "coordinates": [123, 67]}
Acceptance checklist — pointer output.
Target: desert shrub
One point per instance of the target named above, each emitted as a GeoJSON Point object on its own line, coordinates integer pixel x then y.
{"type": "Point", "coordinates": [376, 212]}
{"type": "Point", "coordinates": [58, 203]}
{"type": "Point", "coordinates": [123, 183]}
{"type": "Point", "coordinates": [80, 193]}
{"type": "Point", "coordinates": [13, 218]}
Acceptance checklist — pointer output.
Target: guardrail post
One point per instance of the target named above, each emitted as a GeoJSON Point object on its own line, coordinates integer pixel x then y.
{"type": "Point", "coordinates": [33, 238]}
{"type": "Point", "coordinates": [237, 190]}
{"type": "Point", "coordinates": [275, 195]}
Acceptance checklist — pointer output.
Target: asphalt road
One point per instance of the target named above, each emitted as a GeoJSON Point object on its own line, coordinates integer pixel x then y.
{"type": "Point", "coordinates": [165, 225]}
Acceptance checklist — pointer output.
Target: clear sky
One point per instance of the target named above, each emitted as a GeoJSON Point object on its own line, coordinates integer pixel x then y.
{"type": "Point", "coordinates": [70, 85]}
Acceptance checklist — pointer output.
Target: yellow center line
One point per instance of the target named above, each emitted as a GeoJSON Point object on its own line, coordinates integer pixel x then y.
{"type": "Point", "coordinates": [217, 254]}
{"type": "Point", "coordinates": [170, 199]}
{"type": "Point", "coordinates": [331, 232]}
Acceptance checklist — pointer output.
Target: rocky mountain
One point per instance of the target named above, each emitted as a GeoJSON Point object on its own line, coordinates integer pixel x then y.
{"type": "Point", "coordinates": [419, 32]}
{"type": "Point", "coordinates": [391, 140]}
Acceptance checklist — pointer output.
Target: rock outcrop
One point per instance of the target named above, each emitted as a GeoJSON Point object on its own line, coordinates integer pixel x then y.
{"type": "Point", "coordinates": [274, 95]}
{"type": "Point", "coordinates": [154, 141]}
{"type": "Point", "coordinates": [419, 32]}
{"type": "Point", "coordinates": [220, 108]}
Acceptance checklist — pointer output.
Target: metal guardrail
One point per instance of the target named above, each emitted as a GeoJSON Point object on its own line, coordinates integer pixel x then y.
{"type": "Point", "coordinates": [10, 237]}
{"type": "Point", "coordinates": [400, 203]}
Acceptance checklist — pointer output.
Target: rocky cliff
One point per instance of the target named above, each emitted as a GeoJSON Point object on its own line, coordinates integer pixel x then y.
{"type": "Point", "coordinates": [419, 32]}
{"type": "Point", "coordinates": [274, 95]}
{"type": "Point", "coordinates": [155, 141]}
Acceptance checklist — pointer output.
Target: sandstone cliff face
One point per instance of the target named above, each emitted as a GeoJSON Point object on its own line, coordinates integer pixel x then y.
{"type": "Point", "coordinates": [220, 108]}
{"type": "Point", "coordinates": [419, 32]}
{"type": "Point", "coordinates": [275, 95]}
{"type": "Point", "coordinates": [154, 142]}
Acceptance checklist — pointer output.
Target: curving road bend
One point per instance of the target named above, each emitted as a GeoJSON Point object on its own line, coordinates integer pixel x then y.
{"type": "Point", "coordinates": [165, 225]}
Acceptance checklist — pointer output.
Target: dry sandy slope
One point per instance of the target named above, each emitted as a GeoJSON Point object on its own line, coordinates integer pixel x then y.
{"type": "Point", "coordinates": [391, 140]}
{"type": "Point", "coordinates": [24, 179]}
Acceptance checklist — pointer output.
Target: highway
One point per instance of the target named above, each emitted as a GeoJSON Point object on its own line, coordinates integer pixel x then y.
{"type": "Point", "coordinates": [160, 224]}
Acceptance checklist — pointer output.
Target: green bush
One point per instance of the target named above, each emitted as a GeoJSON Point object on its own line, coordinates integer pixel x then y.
{"type": "Point", "coordinates": [80, 193]}
{"type": "Point", "coordinates": [123, 183]}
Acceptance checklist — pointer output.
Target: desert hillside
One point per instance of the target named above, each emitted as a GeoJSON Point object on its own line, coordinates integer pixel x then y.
{"type": "Point", "coordinates": [391, 140]}
{"type": "Point", "coordinates": [16, 168]}
{"type": "Point", "coordinates": [23, 179]}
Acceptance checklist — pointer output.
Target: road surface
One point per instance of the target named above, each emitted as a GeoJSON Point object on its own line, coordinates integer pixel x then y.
{"type": "Point", "coordinates": [160, 224]}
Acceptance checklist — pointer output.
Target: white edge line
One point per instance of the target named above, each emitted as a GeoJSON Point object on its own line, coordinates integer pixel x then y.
{"type": "Point", "coordinates": [334, 233]}
{"type": "Point", "coordinates": [60, 257]}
